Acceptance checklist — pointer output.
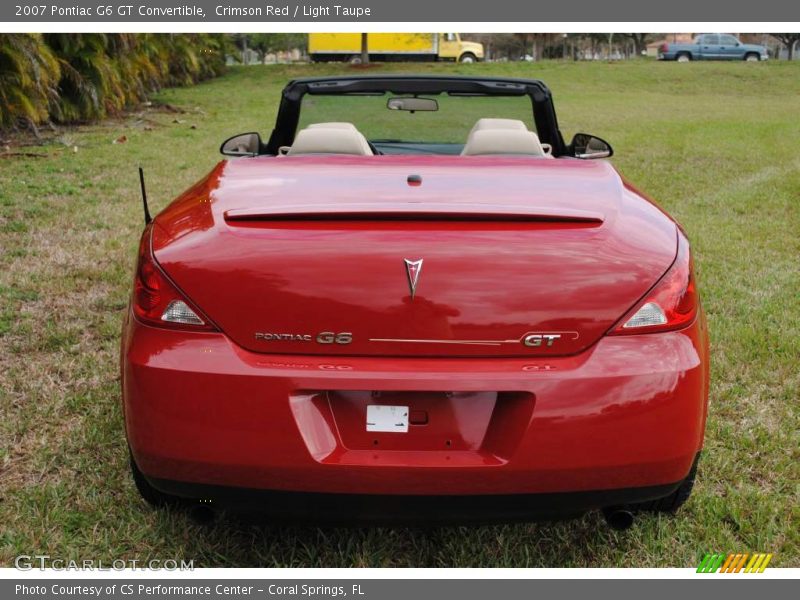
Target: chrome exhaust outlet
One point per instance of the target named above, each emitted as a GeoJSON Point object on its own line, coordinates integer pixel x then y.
{"type": "Point", "coordinates": [618, 518]}
{"type": "Point", "coordinates": [202, 514]}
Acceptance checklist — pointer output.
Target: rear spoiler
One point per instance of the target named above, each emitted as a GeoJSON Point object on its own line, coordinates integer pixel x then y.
{"type": "Point", "coordinates": [429, 212]}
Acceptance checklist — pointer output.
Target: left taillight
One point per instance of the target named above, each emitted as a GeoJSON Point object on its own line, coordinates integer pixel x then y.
{"type": "Point", "coordinates": [156, 300]}
{"type": "Point", "coordinates": [671, 304]}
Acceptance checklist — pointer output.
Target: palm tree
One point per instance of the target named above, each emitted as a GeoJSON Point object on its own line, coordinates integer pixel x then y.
{"type": "Point", "coordinates": [79, 77]}
{"type": "Point", "coordinates": [29, 75]}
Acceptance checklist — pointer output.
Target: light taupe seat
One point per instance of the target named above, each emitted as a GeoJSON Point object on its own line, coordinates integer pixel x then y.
{"type": "Point", "coordinates": [489, 123]}
{"type": "Point", "coordinates": [484, 142]}
{"type": "Point", "coordinates": [329, 138]}
{"type": "Point", "coordinates": [332, 125]}
{"type": "Point", "coordinates": [503, 136]}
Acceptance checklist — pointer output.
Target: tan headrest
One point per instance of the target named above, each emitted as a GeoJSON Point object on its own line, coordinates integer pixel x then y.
{"type": "Point", "coordinates": [503, 141]}
{"type": "Point", "coordinates": [332, 125]}
{"type": "Point", "coordinates": [330, 140]}
{"type": "Point", "coordinates": [481, 124]}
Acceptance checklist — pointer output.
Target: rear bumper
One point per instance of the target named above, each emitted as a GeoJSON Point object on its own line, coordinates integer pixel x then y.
{"type": "Point", "coordinates": [398, 509]}
{"type": "Point", "coordinates": [204, 416]}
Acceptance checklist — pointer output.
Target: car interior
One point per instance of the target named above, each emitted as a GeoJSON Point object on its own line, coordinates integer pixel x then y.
{"type": "Point", "coordinates": [488, 137]}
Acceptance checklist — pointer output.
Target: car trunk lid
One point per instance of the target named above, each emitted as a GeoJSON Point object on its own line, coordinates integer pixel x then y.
{"type": "Point", "coordinates": [316, 256]}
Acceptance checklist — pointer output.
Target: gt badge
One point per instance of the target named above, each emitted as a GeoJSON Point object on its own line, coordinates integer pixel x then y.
{"type": "Point", "coordinates": [547, 339]}
{"type": "Point", "coordinates": [534, 340]}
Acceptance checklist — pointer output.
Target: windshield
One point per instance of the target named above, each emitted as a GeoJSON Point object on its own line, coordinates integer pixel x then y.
{"type": "Point", "coordinates": [440, 130]}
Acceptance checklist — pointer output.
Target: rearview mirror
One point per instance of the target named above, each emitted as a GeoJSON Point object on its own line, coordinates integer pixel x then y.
{"type": "Point", "coordinates": [412, 104]}
{"type": "Point", "coordinates": [244, 144]}
{"type": "Point", "coordinates": [585, 145]}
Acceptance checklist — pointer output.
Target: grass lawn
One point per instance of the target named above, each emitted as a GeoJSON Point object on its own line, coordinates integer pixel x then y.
{"type": "Point", "coordinates": [717, 144]}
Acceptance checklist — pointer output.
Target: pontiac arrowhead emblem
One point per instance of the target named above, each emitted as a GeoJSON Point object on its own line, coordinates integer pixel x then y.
{"type": "Point", "coordinates": [413, 269]}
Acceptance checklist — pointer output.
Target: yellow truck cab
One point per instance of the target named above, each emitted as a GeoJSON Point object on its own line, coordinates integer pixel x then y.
{"type": "Point", "coordinates": [324, 47]}
{"type": "Point", "coordinates": [451, 47]}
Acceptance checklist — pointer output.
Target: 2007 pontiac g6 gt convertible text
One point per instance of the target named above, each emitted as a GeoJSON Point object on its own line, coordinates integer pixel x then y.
{"type": "Point", "coordinates": [414, 301]}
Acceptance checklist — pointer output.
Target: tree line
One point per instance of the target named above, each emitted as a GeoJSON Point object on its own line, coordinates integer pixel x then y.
{"type": "Point", "coordinates": [82, 77]}
{"type": "Point", "coordinates": [537, 46]}
{"type": "Point", "coordinates": [513, 46]}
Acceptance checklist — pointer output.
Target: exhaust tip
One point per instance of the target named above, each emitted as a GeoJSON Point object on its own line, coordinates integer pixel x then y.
{"type": "Point", "coordinates": [617, 518]}
{"type": "Point", "coordinates": [202, 514]}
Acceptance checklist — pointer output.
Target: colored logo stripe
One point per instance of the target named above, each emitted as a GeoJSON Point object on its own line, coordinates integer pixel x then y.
{"type": "Point", "coordinates": [758, 563]}
{"type": "Point", "coordinates": [710, 563]}
{"type": "Point", "coordinates": [734, 563]}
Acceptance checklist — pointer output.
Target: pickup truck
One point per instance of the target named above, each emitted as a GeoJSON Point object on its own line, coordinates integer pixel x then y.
{"type": "Point", "coordinates": [713, 46]}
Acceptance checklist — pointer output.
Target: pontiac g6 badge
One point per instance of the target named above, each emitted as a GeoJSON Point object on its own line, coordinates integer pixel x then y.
{"type": "Point", "coordinates": [413, 269]}
{"type": "Point", "coordinates": [324, 337]}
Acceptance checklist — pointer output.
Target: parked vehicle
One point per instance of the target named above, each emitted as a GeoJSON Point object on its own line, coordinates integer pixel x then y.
{"type": "Point", "coordinates": [324, 47]}
{"type": "Point", "coordinates": [438, 310]}
{"type": "Point", "coordinates": [713, 46]}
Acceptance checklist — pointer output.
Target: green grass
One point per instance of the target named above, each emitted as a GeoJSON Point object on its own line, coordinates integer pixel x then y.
{"type": "Point", "coordinates": [717, 144]}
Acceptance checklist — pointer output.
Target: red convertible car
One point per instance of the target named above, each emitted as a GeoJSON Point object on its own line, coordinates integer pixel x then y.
{"type": "Point", "coordinates": [415, 301]}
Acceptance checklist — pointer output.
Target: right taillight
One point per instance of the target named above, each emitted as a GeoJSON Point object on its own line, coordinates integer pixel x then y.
{"type": "Point", "coordinates": [671, 304]}
{"type": "Point", "coordinates": [156, 301]}
{"type": "Point", "coordinates": [663, 48]}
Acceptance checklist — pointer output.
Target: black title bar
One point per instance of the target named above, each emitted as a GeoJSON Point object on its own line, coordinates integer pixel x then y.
{"type": "Point", "coordinates": [443, 11]}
